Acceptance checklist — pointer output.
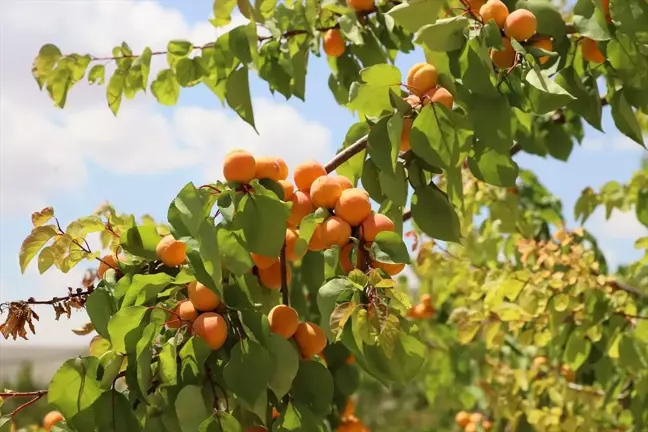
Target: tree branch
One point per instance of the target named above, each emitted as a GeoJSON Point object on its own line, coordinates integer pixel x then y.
{"type": "Point", "coordinates": [285, 298]}
{"type": "Point", "coordinates": [347, 154]}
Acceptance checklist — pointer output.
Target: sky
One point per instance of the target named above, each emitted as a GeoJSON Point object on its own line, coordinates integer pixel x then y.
{"type": "Point", "coordinates": [76, 158]}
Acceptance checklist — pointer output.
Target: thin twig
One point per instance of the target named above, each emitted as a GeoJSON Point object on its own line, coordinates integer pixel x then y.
{"type": "Point", "coordinates": [347, 154]}
{"type": "Point", "coordinates": [55, 300]}
{"type": "Point", "coordinates": [19, 394]}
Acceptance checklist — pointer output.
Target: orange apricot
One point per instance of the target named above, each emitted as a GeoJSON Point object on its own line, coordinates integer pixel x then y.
{"type": "Point", "coordinates": [421, 78]}
{"type": "Point", "coordinates": [283, 321]}
{"type": "Point", "coordinates": [405, 135]}
{"type": "Point", "coordinates": [462, 418]}
{"type": "Point", "coordinates": [202, 297]}
{"type": "Point", "coordinates": [186, 311]}
{"type": "Point", "coordinates": [333, 43]}
{"type": "Point", "coordinates": [540, 361]}
{"type": "Point", "coordinates": [212, 328]}
{"type": "Point", "coordinates": [475, 6]}
{"type": "Point", "coordinates": [487, 425]}
{"type": "Point", "coordinates": [262, 261]}
{"type": "Point", "coordinates": [426, 299]}
{"type": "Point", "coordinates": [353, 206]}
{"type": "Point", "coordinates": [361, 5]}
{"type": "Point", "coordinates": [494, 10]}
{"type": "Point", "coordinates": [271, 168]}
{"type": "Point", "coordinates": [423, 311]}
{"type": "Point", "coordinates": [591, 51]}
{"type": "Point", "coordinates": [344, 182]}
{"type": "Point", "coordinates": [546, 44]}
{"type": "Point", "coordinates": [288, 189]}
{"type": "Point", "coordinates": [292, 235]}
{"type": "Point", "coordinates": [310, 339]}
{"type": "Point", "coordinates": [375, 223]}
{"type": "Point", "coordinates": [170, 251]}
{"type": "Point", "coordinates": [335, 231]}
{"type": "Point", "coordinates": [351, 424]}
{"type": "Point", "coordinates": [567, 373]}
{"type": "Point", "coordinates": [505, 58]}
{"type": "Point", "coordinates": [349, 408]}
{"type": "Point", "coordinates": [307, 172]}
{"type": "Point", "coordinates": [605, 4]}
{"type": "Point", "coordinates": [52, 418]}
{"type": "Point", "coordinates": [520, 25]}
{"type": "Point", "coordinates": [239, 166]}
{"type": "Point", "coordinates": [301, 207]}
{"type": "Point", "coordinates": [325, 192]}
{"type": "Point", "coordinates": [275, 413]}
{"type": "Point", "coordinates": [390, 269]}
{"type": "Point", "coordinates": [271, 277]}
{"type": "Point", "coordinates": [317, 241]}
{"type": "Point", "coordinates": [439, 95]}
{"type": "Point", "coordinates": [476, 417]}
{"type": "Point", "coordinates": [470, 427]}
{"type": "Point", "coordinates": [107, 262]}
{"type": "Point", "coordinates": [346, 258]}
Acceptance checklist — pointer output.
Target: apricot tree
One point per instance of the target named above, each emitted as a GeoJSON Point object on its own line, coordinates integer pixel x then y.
{"type": "Point", "coordinates": [263, 299]}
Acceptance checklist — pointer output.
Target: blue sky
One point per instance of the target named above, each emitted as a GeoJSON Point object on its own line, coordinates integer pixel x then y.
{"type": "Point", "coordinates": [76, 158]}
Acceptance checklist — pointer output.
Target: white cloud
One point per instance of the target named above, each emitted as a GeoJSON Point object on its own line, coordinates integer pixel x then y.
{"type": "Point", "coordinates": [605, 142]}
{"type": "Point", "coordinates": [620, 225]}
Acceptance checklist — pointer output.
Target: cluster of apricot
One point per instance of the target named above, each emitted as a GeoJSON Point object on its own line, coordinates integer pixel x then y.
{"type": "Point", "coordinates": [541, 362]}
{"type": "Point", "coordinates": [348, 207]}
{"type": "Point", "coordinates": [471, 422]}
{"type": "Point", "coordinates": [423, 310]}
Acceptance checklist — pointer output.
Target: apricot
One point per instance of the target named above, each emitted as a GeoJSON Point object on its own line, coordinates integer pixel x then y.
{"type": "Point", "coordinates": [317, 241]}
{"type": "Point", "coordinates": [540, 361]}
{"type": "Point", "coordinates": [288, 189]}
{"type": "Point", "coordinates": [405, 135]}
{"type": "Point", "coordinates": [591, 51]}
{"type": "Point", "coordinates": [212, 328]}
{"type": "Point", "coordinates": [52, 418]}
{"type": "Point", "coordinates": [349, 408]}
{"type": "Point", "coordinates": [605, 4]}
{"type": "Point", "coordinates": [325, 192]}
{"type": "Point", "coordinates": [350, 360]}
{"type": "Point", "coordinates": [301, 207]}
{"type": "Point", "coordinates": [344, 182]}
{"type": "Point", "coordinates": [351, 424]}
{"type": "Point", "coordinates": [292, 235]}
{"type": "Point", "coordinates": [505, 58]}
{"type": "Point", "coordinates": [520, 25]}
{"type": "Point", "coordinates": [271, 168]}
{"type": "Point", "coordinates": [171, 251]}
{"type": "Point", "coordinates": [375, 223]}
{"type": "Point", "coordinates": [307, 172]}
{"type": "Point", "coordinates": [271, 277]}
{"type": "Point", "coordinates": [426, 299]}
{"type": "Point", "coordinates": [545, 44]}
{"type": "Point", "coordinates": [494, 10]}
{"type": "Point", "coordinates": [310, 339]}
{"type": "Point", "coordinates": [487, 425]}
{"type": "Point", "coordinates": [361, 5]}
{"type": "Point", "coordinates": [462, 418]}
{"type": "Point", "coordinates": [470, 427]}
{"type": "Point", "coordinates": [262, 261]}
{"type": "Point", "coordinates": [390, 269]}
{"type": "Point", "coordinates": [423, 311]}
{"type": "Point", "coordinates": [202, 297]}
{"type": "Point", "coordinates": [353, 206]}
{"type": "Point", "coordinates": [421, 78]}
{"type": "Point", "coordinates": [476, 417]}
{"type": "Point", "coordinates": [107, 262]}
{"type": "Point", "coordinates": [186, 311]}
{"type": "Point", "coordinates": [335, 231]}
{"type": "Point", "coordinates": [283, 321]}
{"type": "Point", "coordinates": [567, 373]}
{"type": "Point", "coordinates": [333, 43]}
{"type": "Point", "coordinates": [239, 166]}
{"type": "Point", "coordinates": [275, 413]}
{"type": "Point", "coordinates": [439, 95]}
{"type": "Point", "coordinates": [346, 256]}
{"type": "Point", "coordinates": [475, 5]}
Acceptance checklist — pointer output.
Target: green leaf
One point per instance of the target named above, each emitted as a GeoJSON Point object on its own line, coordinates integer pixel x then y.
{"type": "Point", "coordinates": [641, 207]}
{"type": "Point", "coordinates": [141, 241]}
{"type": "Point", "coordinates": [327, 297]}
{"type": "Point", "coordinates": [144, 61]}
{"type": "Point", "coordinates": [144, 355]}
{"type": "Point", "coordinates": [204, 257]}
{"type": "Point", "coordinates": [394, 186]}
{"type": "Point", "coordinates": [370, 95]}
{"type": "Point", "coordinates": [186, 212]}
{"type": "Point", "coordinates": [220, 422]}
{"type": "Point", "coordinates": [434, 137]}
{"type": "Point", "coordinates": [190, 71]}
{"type": "Point", "coordinates": [33, 243]}
{"type": "Point", "coordinates": [44, 62]}
{"type": "Point", "coordinates": [446, 34]}
{"type": "Point", "coordinates": [144, 289]}
{"type": "Point", "coordinates": [352, 168]}
{"type": "Point", "coordinates": [233, 251]}
{"type": "Point", "coordinates": [390, 248]}
{"type": "Point", "coordinates": [285, 360]}
{"type": "Point", "coordinates": [558, 141]}
{"type": "Point", "coordinates": [415, 14]}
{"type": "Point", "coordinates": [124, 325]}
{"type": "Point", "coordinates": [589, 23]}
{"type": "Point", "coordinates": [190, 408]}
{"type": "Point", "coordinates": [59, 82]}
{"type": "Point", "coordinates": [577, 350]}
{"type": "Point", "coordinates": [113, 413]}
{"type": "Point", "coordinates": [296, 417]}
{"type": "Point", "coordinates": [192, 360]}
{"type": "Point", "coordinates": [550, 20]}
{"type": "Point", "coordinates": [347, 379]}
{"type": "Point", "coordinates": [433, 213]}
{"type": "Point", "coordinates": [493, 167]}
{"type": "Point", "coordinates": [476, 76]}
{"type": "Point", "coordinates": [115, 90]}
{"type": "Point", "coordinates": [222, 12]}
{"type": "Point", "coordinates": [248, 372]}
{"type": "Point", "coordinates": [237, 94]}
{"type": "Point", "coordinates": [101, 306]}
{"type": "Point", "coordinates": [96, 74]}
{"type": "Point", "coordinates": [165, 87]}
{"type": "Point", "coordinates": [74, 388]}
{"type": "Point", "coordinates": [383, 143]}
{"type": "Point", "coordinates": [587, 102]}
{"type": "Point", "coordinates": [313, 386]}
{"type": "Point", "coordinates": [625, 118]}
{"type": "Point", "coordinates": [544, 94]}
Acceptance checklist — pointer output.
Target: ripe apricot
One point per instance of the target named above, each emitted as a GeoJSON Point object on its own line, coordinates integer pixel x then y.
{"type": "Point", "coordinates": [423, 311]}
{"type": "Point", "coordinates": [275, 413]}
{"type": "Point", "coordinates": [52, 418]}
{"type": "Point", "coordinates": [520, 25]}
{"type": "Point", "coordinates": [335, 231]}
{"type": "Point", "coordinates": [540, 361]}
{"type": "Point", "coordinates": [261, 261]}
{"type": "Point", "coordinates": [271, 168]}
{"type": "Point", "coordinates": [361, 5]}
{"type": "Point", "coordinates": [494, 10]}
{"type": "Point", "coordinates": [171, 251]}
{"type": "Point", "coordinates": [476, 417]}
{"type": "Point", "coordinates": [470, 427]}
{"type": "Point", "coordinates": [212, 328]}
{"type": "Point", "coordinates": [333, 43]}
{"type": "Point", "coordinates": [239, 166]}
{"type": "Point", "coordinates": [505, 58]}
{"type": "Point", "coordinates": [202, 297]}
{"type": "Point", "coordinates": [353, 206]}
{"type": "Point", "coordinates": [421, 78]}
{"type": "Point", "coordinates": [306, 173]}
{"type": "Point", "coordinates": [310, 339]}
{"type": "Point", "coordinates": [390, 269]}
{"type": "Point", "coordinates": [439, 95]}
{"type": "Point", "coordinates": [344, 182]}
{"type": "Point", "coordinates": [545, 44]}
{"type": "Point", "coordinates": [301, 207]}
{"type": "Point", "coordinates": [375, 223]}
{"type": "Point", "coordinates": [351, 424]}
{"type": "Point", "coordinates": [107, 262]}
{"type": "Point", "coordinates": [346, 258]}
{"type": "Point", "coordinates": [317, 241]}
{"type": "Point", "coordinates": [426, 299]}
{"type": "Point", "coordinates": [349, 408]}
{"type": "Point", "coordinates": [283, 321]}
{"type": "Point", "coordinates": [288, 189]}
{"type": "Point", "coordinates": [350, 360]}
{"type": "Point", "coordinates": [487, 425]}
{"type": "Point", "coordinates": [568, 373]}
{"type": "Point", "coordinates": [591, 51]}
{"type": "Point", "coordinates": [324, 192]}
{"type": "Point", "coordinates": [462, 418]}
{"type": "Point", "coordinates": [292, 235]}
{"type": "Point", "coordinates": [405, 135]}
{"type": "Point", "coordinates": [187, 312]}
{"type": "Point", "coordinates": [271, 277]}
{"type": "Point", "coordinates": [605, 4]}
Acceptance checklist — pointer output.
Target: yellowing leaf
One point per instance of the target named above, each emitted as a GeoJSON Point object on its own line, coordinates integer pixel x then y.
{"type": "Point", "coordinates": [33, 243]}
{"type": "Point", "coordinates": [42, 217]}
